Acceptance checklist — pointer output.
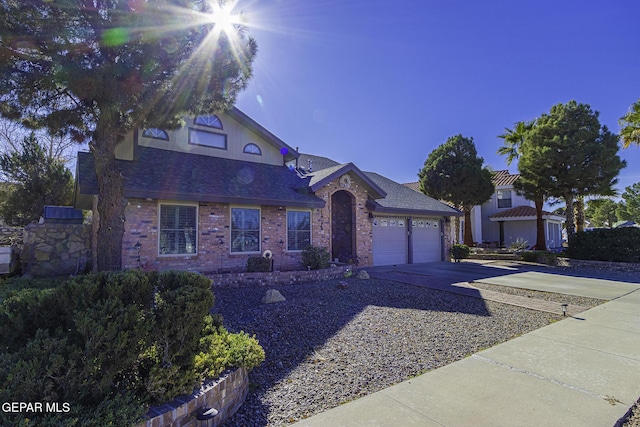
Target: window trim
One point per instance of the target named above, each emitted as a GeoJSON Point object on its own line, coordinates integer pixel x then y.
{"type": "Point", "coordinates": [499, 199]}
{"type": "Point", "coordinates": [197, 227]}
{"type": "Point", "coordinates": [224, 135]}
{"type": "Point", "coordinates": [164, 133]}
{"type": "Point", "coordinates": [287, 228]}
{"type": "Point", "coordinates": [248, 207]}
{"type": "Point", "coordinates": [259, 153]}
{"type": "Point", "coordinates": [195, 122]}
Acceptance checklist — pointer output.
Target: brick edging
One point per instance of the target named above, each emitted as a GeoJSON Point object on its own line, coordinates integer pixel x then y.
{"type": "Point", "coordinates": [226, 395]}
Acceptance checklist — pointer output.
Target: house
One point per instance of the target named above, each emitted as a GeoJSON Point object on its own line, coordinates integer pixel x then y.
{"type": "Point", "coordinates": [223, 188]}
{"type": "Point", "coordinates": [508, 216]}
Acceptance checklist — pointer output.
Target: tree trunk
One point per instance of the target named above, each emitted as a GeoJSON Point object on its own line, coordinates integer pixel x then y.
{"type": "Point", "coordinates": [111, 202]}
{"type": "Point", "coordinates": [468, 234]}
{"type": "Point", "coordinates": [579, 204]}
{"type": "Point", "coordinates": [570, 221]}
{"type": "Point", "coordinates": [456, 223]}
{"type": "Point", "coordinates": [541, 241]}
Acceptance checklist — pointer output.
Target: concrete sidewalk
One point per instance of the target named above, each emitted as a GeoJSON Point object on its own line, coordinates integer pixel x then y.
{"type": "Point", "coordinates": [581, 371]}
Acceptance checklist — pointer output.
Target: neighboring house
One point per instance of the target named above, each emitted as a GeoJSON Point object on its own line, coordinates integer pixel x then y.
{"type": "Point", "coordinates": [508, 216]}
{"type": "Point", "coordinates": [208, 196]}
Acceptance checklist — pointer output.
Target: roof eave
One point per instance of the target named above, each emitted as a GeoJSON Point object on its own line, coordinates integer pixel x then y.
{"type": "Point", "coordinates": [247, 121]}
{"type": "Point", "coordinates": [373, 189]}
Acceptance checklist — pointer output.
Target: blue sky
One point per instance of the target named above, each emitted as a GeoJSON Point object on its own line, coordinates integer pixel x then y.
{"type": "Point", "coordinates": [382, 83]}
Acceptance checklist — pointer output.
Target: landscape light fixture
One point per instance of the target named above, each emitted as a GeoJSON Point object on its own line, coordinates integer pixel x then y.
{"type": "Point", "coordinates": [564, 309]}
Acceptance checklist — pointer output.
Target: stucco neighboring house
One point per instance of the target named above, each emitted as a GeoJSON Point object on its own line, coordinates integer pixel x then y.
{"type": "Point", "coordinates": [508, 216]}
{"type": "Point", "coordinates": [223, 188]}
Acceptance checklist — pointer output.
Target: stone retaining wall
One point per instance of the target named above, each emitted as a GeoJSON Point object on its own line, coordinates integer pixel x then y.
{"type": "Point", "coordinates": [226, 395]}
{"type": "Point", "coordinates": [56, 249]}
{"type": "Point", "coordinates": [277, 277]}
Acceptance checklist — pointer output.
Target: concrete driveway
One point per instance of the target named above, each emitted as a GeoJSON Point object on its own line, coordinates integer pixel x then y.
{"type": "Point", "coordinates": [602, 285]}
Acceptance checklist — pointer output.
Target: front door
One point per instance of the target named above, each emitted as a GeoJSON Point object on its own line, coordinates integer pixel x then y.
{"type": "Point", "coordinates": [342, 223]}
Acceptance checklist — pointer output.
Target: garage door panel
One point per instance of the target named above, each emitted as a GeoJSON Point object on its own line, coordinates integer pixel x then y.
{"type": "Point", "coordinates": [389, 241]}
{"type": "Point", "coordinates": [427, 243]}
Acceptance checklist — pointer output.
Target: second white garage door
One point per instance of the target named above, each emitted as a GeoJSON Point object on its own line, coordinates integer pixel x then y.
{"type": "Point", "coordinates": [427, 241]}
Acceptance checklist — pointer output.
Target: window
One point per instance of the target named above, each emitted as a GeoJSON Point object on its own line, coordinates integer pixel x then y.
{"type": "Point", "coordinates": [252, 149]}
{"type": "Point", "coordinates": [504, 198]}
{"type": "Point", "coordinates": [298, 230]}
{"type": "Point", "coordinates": [245, 230]}
{"type": "Point", "coordinates": [208, 139]}
{"type": "Point", "coordinates": [156, 133]}
{"type": "Point", "coordinates": [208, 121]}
{"type": "Point", "coordinates": [178, 230]}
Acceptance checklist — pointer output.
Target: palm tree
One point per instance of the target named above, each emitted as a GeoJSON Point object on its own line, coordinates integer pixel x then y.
{"type": "Point", "coordinates": [630, 126]}
{"type": "Point", "coordinates": [512, 148]}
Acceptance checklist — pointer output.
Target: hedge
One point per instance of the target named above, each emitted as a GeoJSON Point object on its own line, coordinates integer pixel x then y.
{"type": "Point", "coordinates": [110, 344]}
{"type": "Point", "coordinates": [615, 245]}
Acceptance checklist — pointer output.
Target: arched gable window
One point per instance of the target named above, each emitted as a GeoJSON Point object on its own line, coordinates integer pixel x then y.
{"type": "Point", "coordinates": [156, 133]}
{"type": "Point", "coordinates": [209, 121]}
{"type": "Point", "coordinates": [252, 148]}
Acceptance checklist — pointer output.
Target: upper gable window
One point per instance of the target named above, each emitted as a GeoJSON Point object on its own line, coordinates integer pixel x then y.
{"type": "Point", "coordinates": [504, 198]}
{"type": "Point", "coordinates": [156, 133]}
{"type": "Point", "coordinates": [252, 148]}
{"type": "Point", "coordinates": [207, 139]}
{"type": "Point", "coordinates": [208, 121]}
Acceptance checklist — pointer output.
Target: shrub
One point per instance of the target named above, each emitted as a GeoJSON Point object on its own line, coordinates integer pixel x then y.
{"type": "Point", "coordinates": [110, 343]}
{"type": "Point", "coordinates": [460, 251]}
{"type": "Point", "coordinates": [258, 263]}
{"type": "Point", "coordinates": [315, 257]}
{"type": "Point", "coordinates": [615, 244]}
{"type": "Point", "coordinates": [542, 257]}
{"type": "Point", "coordinates": [519, 245]}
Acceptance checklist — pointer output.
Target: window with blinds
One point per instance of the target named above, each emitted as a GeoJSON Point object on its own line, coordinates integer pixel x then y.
{"type": "Point", "coordinates": [178, 230]}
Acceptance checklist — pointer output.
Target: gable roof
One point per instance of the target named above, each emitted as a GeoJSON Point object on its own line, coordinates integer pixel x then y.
{"type": "Point", "coordinates": [523, 213]}
{"type": "Point", "coordinates": [287, 151]}
{"type": "Point", "coordinates": [402, 199]}
{"type": "Point", "coordinates": [172, 175]}
{"type": "Point", "coordinates": [504, 178]}
{"type": "Point", "coordinates": [322, 177]}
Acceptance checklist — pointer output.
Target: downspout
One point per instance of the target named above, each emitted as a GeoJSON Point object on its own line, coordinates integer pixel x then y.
{"type": "Point", "coordinates": [442, 242]}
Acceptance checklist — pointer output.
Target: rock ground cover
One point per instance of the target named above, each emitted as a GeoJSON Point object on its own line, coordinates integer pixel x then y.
{"type": "Point", "coordinates": [327, 345]}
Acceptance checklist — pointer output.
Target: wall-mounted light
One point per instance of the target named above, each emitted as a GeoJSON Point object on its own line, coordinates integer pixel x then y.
{"type": "Point", "coordinates": [138, 247]}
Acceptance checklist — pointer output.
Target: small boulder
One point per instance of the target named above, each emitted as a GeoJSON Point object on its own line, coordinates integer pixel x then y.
{"type": "Point", "coordinates": [271, 296]}
{"type": "Point", "coordinates": [363, 275]}
{"type": "Point", "coordinates": [342, 285]}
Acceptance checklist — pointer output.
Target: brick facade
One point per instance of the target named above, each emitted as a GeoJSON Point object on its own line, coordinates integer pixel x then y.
{"type": "Point", "coordinates": [214, 234]}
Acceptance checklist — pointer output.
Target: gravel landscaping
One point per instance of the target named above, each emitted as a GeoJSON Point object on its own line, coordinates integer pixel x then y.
{"type": "Point", "coordinates": [326, 346]}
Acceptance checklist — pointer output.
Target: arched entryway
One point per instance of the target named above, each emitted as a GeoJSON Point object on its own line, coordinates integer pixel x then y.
{"type": "Point", "coordinates": [343, 242]}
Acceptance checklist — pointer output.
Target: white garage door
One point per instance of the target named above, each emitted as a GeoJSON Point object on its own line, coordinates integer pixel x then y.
{"type": "Point", "coordinates": [427, 246]}
{"type": "Point", "coordinates": [389, 240]}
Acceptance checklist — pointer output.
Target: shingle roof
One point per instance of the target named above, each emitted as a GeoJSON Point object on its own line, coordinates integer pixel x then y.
{"type": "Point", "coordinates": [415, 186]}
{"type": "Point", "coordinates": [324, 176]}
{"type": "Point", "coordinates": [316, 162]}
{"type": "Point", "coordinates": [401, 198]}
{"type": "Point", "coordinates": [521, 212]}
{"type": "Point", "coordinates": [165, 174]}
{"type": "Point", "coordinates": [503, 178]}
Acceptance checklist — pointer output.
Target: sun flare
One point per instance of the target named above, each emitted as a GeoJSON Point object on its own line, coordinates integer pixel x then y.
{"type": "Point", "coordinates": [224, 17]}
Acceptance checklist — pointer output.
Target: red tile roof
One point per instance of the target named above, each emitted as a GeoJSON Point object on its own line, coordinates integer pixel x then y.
{"type": "Point", "coordinates": [502, 178]}
{"type": "Point", "coordinates": [519, 212]}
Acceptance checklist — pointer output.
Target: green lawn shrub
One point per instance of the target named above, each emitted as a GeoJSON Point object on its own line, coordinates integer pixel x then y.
{"type": "Point", "coordinates": [259, 264]}
{"type": "Point", "coordinates": [606, 244]}
{"type": "Point", "coordinates": [110, 344]}
{"type": "Point", "coordinates": [460, 251]}
{"type": "Point", "coordinates": [315, 257]}
{"type": "Point", "coordinates": [542, 257]}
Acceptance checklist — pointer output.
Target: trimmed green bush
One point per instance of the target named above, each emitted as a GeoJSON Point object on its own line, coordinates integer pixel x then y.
{"type": "Point", "coordinates": [110, 344]}
{"type": "Point", "coordinates": [542, 257]}
{"type": "Point", "coordinates": [259, 264]}
{"type": "Point", "coordinates": [315, 258]}
{"type": "Point", "coordinates": [460, 251]}
{"type": "Point", "coordinates": [606, 244]}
